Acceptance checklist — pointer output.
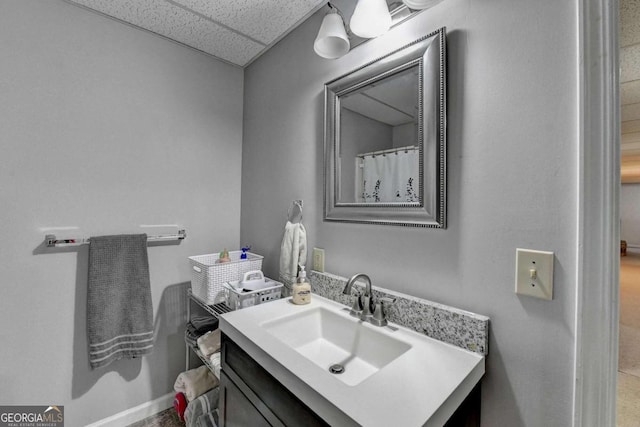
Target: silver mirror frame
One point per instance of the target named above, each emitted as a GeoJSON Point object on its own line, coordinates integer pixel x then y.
{"type": "Point", "coordinates": [429, 55]}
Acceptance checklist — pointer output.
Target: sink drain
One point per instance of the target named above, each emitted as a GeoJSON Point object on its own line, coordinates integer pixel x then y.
{"type": "Point", "coordinates": [336, 369]}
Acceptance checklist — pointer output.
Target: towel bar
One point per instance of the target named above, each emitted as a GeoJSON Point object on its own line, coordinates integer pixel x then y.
{"type": "Point", "coordinates": [51, 240]}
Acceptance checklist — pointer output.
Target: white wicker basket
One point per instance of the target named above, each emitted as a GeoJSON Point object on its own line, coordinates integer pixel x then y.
{"type": "Point", "coordinates": [207, 276]}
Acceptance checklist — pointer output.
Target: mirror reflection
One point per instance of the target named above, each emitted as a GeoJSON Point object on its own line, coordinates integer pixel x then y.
{"type": "Point", "coordinates": [385, 139]}
{"type": "Point", "coordinates": [378, 149]}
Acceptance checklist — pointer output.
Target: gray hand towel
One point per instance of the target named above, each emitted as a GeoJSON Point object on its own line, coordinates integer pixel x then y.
{"type": "Point", "coordinates": [119, 308]}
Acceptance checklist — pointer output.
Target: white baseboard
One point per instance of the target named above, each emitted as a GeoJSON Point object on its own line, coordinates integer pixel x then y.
{"type": "Point", "coordinates": [137, 413]}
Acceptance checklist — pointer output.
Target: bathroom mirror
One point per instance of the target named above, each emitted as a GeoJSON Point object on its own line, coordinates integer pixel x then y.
{"type": "Point", "coordinates": [385, 139]}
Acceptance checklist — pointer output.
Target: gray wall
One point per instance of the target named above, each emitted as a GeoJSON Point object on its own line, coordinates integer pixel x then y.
{"type": "Point", "coordinates": [404, 135]}
{"type": "Point", "coordinates": [512, 182]}
{"type": "Point", "coordinates": [630, 214]}
{"type": "Point", "coordinates": [104, 127]}
{"type": "Point", "coordinates": [359, 134]}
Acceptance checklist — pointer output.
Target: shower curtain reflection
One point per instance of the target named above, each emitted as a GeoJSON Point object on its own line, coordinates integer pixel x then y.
{"type": "Point", "coordinates": [388, 177]}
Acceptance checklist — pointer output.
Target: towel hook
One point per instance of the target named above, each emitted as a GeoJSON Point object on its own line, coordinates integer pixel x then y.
{"type": "Point", "coordinates": [294, 214]}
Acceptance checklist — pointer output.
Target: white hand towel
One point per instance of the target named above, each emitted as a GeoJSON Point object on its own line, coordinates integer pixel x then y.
{"type": "Point", "coordinates": [293, 251]}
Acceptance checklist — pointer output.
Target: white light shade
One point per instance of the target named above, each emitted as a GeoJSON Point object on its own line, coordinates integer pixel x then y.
{"type": "Point", "coordinates": [420, 4]}
{"type": "Point", "coordinates": [332, 41]}
{"type": "Point", "coordinates": [370, 18]}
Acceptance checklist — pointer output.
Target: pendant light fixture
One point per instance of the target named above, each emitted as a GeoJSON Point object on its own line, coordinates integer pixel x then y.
{"type": "Point", "coordinates": [332, 40]}
{"type": "Point", "coordinates": [371, 18]}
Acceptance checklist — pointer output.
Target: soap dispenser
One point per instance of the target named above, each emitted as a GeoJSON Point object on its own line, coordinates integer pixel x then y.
{"type": "Point", "coordinates": [302, 288]}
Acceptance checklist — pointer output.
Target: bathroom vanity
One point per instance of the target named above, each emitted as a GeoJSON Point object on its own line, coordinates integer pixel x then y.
{"type": "Point", "coordinates": [284, 364]}
{"type": "Point", "coordinates": [253, 397]}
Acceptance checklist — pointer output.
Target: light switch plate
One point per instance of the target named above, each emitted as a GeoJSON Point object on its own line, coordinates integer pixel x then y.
{"type": "Point", "coordinates": [318, 260]}
{"type": "Point", "coordinates": [534, 273]}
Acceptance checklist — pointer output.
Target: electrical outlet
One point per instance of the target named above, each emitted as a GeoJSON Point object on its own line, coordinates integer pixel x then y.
{"type": "Point", "coordinates": [318, 260]}
{"type": "Point", "coordinates": [534, 273]}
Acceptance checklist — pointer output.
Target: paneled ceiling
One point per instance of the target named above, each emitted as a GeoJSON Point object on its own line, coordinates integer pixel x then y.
{"type": "Point", "coordinates": [390, 101]}
{"type": "Point", "coordinates": [236, 31]}
{"type": "Point", "coordinates": [630, 89]}
{"type": "Point", "coordinates": [630, 70]}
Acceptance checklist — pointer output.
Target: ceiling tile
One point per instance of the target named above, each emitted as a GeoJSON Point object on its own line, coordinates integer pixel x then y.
{"type": "Point", "coordinates": [630, 63]}
{"type": "Point", "coordinates": [630, 92]}
{"type": "Point", "coordinates": [236, 31]}
{"type": "Point", "coordinates": [372, 109]}
{"type": "Point", "coordinates": [629, 22]}
{"type": "Point", "coordinates": [262, 20]}
{"type": "Point", "coordinates": [166, 19]}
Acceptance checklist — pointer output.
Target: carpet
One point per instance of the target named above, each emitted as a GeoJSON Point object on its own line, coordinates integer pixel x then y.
{"type": "Point", "coordinates": [628, 398]}
{"type": "Point", "coordinates": [628, 404]}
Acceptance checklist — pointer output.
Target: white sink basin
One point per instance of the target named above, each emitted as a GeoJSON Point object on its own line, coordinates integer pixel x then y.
{"type": "Point", "coordinates": [392, 376]}
{"type": "Point", "coordinates": [329, 339]}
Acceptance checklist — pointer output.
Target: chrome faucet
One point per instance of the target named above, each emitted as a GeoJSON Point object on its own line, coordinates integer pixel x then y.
{"type": "Point", "coordinates": [358, 303]}
{"type": "Point", "coordinates": [365, 306]}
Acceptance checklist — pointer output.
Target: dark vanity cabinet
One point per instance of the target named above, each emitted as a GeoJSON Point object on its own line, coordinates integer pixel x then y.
{"type": "Point", "coordinates": [468, 413]}
{"type": "Point", "coordinates": [250, 396]}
